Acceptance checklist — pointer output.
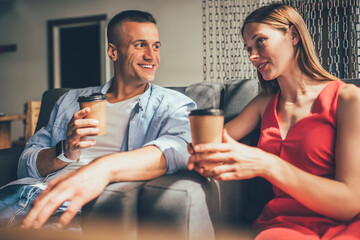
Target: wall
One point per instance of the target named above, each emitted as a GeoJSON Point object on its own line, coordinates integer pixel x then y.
{"type": "Point", "coordinates": [23, 74]}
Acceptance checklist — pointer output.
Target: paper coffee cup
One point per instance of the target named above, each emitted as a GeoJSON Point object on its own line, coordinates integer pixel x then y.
{"type": "Point", "coordinates": [97, 103]}
{"type": "Point", "coordinates": [206, 125]}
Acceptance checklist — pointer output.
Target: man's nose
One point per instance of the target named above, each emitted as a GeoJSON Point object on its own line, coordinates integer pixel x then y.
{"type": "Point", "coordinates": [149, 53]}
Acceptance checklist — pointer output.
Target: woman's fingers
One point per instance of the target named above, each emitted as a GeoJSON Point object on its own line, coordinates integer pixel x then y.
{"type": "Point", "coordinates": [236, 171]}
{"type": "Point", "coordinates": [219, 147]}
{"type": "Point", "coordinates": [211, 157]}
{"type": "Point", "coordinates": [229, 160]}
{"type": "Point", "coordinates": [210, 147]}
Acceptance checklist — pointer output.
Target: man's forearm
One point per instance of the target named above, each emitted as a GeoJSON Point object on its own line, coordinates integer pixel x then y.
{"type": "Point", "coordinates": [138, 165]}
{"type": "Point", "coordinates": [47, 162]}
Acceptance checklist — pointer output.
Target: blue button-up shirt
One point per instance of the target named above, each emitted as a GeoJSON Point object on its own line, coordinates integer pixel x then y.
{"type": "Point", "coordinates": [159, 118]}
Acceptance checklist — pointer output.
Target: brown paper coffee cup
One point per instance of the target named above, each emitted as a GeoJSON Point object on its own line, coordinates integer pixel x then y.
{"type": "Point", "coordinates": [206, 125]}
{"type": "Point", "coordinates": [97, 104]}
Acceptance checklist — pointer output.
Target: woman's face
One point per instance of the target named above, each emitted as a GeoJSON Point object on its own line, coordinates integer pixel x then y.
{"type": "Point", "coordinates": [271, 51]}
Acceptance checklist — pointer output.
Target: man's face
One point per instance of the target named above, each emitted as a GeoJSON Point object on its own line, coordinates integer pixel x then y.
{"type": "Point", "coordinates": [138, 51]}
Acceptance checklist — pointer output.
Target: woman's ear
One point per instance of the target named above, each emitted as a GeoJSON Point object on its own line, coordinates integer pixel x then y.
{"type": "Point", "coordinates": [295, 37]}
{"type": "Point", "coordinates": [112, 52]}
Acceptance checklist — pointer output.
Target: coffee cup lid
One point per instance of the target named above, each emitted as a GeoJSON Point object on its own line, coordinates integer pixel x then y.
{"type": "Point", "coordinates": [208, 111]}
{"type": "Point", "coordinates": [92, 97]}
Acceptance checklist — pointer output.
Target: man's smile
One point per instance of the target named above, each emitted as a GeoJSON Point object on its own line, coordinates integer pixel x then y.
{"type": "Point", "coordinates": [147, 66]}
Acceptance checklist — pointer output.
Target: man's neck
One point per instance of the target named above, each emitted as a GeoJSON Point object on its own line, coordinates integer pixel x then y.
{"type": "Point", "coordinates": [119, 91]}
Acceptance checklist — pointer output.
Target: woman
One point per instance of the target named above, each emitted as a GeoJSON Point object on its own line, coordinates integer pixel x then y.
{"type": "Point", "coordinates": [310, 134]}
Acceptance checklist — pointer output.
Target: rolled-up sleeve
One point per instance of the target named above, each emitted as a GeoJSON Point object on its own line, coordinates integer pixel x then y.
{"type": "Point", "coordinates": [174, 136]}
{"type": "Point", "coordinates": [42, 139]}
{"type": "Point", "coordinates": [54, 131]}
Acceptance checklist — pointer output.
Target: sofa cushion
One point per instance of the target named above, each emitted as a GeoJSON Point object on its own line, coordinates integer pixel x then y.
{"type": "Point", "coordinates": [184, 203]}
{"type": "Point", "coordinates": [115, 209]}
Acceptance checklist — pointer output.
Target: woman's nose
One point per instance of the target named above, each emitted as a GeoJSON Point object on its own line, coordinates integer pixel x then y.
{"type": "Point", "coordinates": [253, 56]}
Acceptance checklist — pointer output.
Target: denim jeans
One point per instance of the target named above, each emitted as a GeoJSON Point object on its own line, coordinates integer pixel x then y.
{"type": "Point", "coordinates": [16, 202]}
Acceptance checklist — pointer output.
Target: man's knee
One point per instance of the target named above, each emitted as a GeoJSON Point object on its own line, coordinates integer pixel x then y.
{"type": "Point", "coordinates": [15, 203]}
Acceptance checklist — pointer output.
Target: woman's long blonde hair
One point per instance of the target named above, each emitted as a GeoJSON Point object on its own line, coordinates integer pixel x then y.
{"type": "Point", "coordinates": [282, 17]}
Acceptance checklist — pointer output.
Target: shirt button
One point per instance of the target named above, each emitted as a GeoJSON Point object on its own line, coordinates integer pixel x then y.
{"type": "Point", "coordinates": [132, 122]}
{"type": "Point", "coordinates": [130, 148]}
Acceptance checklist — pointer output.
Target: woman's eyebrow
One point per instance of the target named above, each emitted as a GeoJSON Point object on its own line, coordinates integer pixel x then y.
{"type": "Point", "coordinates": [254, 36]}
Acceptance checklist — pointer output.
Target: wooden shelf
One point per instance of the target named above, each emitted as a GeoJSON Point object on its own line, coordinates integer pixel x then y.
{"type": "Point", "coordinates": [5, 128]}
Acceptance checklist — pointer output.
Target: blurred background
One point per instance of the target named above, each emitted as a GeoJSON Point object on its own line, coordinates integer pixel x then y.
{"type": "Point", "coordinates": [79, 25]}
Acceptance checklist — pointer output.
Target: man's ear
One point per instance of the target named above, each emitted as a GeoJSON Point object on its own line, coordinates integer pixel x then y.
{"type": "Point", "coordinates": [295, 36]}
{"type": "Point", "coordinates": [112, 52]}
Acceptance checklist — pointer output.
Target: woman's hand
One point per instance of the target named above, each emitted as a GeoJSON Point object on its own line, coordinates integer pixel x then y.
{"type": "Point", "coordinates": [202, 167]}
{"type": "Point", "coordinates": [229, 160]}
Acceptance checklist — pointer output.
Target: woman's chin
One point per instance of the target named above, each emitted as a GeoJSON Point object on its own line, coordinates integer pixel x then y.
{"type": "Point", "coordinates": [267, 78]}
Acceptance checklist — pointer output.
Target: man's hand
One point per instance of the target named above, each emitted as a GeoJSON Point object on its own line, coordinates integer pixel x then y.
{"type": "Point", "coordinates": [76, 139]}
{"type": "Point", "coordinates": [78, 131]}
{"type": "Point", "coordinates": [78, 187]}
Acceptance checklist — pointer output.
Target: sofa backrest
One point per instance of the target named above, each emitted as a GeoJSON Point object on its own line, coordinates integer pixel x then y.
{"type": "Point", "coordinates": [355, 81]}
{"type": "Point", "coordinates": [237, 94]}
{"type": "Point", "coordinates": [232, 97]}
{"type": "Point", "coordinates": [206, 95]}
{"type": "Point", "coordinates": [48, 101]}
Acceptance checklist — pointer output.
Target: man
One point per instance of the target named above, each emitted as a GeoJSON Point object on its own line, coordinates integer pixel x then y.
{"type": "Point", "coordinates": [147, 132]}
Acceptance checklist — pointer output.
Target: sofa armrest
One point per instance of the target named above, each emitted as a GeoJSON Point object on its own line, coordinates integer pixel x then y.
{"type": "Point", "coordinates": [8, 164]}
{"type": "Point", "coordinates": [183, 204]}
{"type": "Point", "coordinates": [115, 210]}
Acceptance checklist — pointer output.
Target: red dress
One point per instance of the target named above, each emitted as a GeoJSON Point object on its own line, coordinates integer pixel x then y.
{"type": "Point", "coordinates": [310, 146]}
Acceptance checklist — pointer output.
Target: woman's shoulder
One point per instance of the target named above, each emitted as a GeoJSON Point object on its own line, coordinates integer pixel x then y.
{"type": "Point", "coordinates": [264, 97]}
{"type": "Point", "coordinates": [261, 101]}
{"type": "Point", "coordinates": [349, 93]}
{"type": "Point", "coordinates": [348, 99]}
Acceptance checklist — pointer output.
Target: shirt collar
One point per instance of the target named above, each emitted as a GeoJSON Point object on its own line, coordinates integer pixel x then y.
{"type": "Point", "coordinates": [106, 87]}
{"type": "Point", "coordinates": [143, 99]}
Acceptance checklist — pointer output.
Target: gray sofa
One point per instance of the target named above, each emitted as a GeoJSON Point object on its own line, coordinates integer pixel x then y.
{"type": "Point", "coordinates": [183, 204]}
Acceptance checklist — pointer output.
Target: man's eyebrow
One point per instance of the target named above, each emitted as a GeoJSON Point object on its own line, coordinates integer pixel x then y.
{"type": "Point", "coordinates": [143, 41]}
{"type": "Point", "coordinates": [139, 40]}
